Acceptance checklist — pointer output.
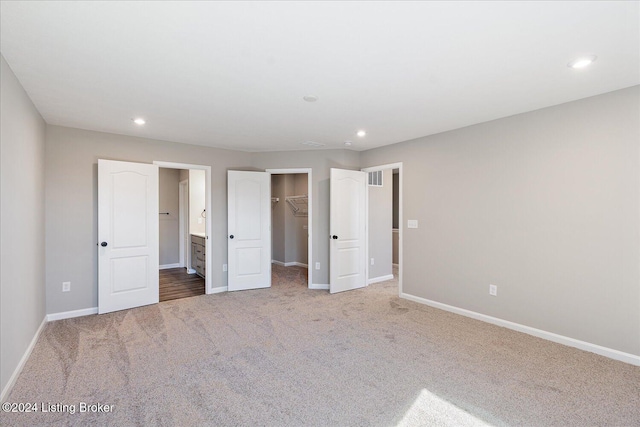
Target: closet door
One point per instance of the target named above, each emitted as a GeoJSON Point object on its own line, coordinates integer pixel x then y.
{"type": "Point", "coordinates": [249, 230]}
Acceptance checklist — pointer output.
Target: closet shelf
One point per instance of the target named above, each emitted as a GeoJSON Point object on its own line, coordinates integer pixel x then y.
{"type": "Point", "coordinates": [299, 204]}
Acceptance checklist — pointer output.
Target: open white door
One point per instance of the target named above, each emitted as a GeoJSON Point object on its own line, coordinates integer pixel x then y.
{"type": "Point", "coordinates": [127, 234]}
{"type": "Point", "coordinates": [249, 222]}
{"type": "Point", "coordinates": [348, 255]}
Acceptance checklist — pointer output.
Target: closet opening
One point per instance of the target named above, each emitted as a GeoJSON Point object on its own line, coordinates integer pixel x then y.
{"type": "Point", "coordinates": [290, 227]}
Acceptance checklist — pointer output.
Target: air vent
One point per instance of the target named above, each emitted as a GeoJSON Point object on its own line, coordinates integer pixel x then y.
{"type": "Point", "coordinates": [375, 179]}
{"type": "Point", "coordinates": [312, 144]}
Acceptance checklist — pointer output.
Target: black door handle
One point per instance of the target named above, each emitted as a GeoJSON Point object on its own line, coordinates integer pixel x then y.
{"type": "Point", "coordinates": [103, 244]}
{"type": "Point", "coordinates": [231, 237]}
{"type": "Point", "coordinates": [334, 237]}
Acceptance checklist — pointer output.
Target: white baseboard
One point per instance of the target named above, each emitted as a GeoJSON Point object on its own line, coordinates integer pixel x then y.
{"type": "Point", "coordinates": [72, 314]}
{"type": "Point", "coordinates": [219, 289]}
{"type": "Point", "coordinates": [289, 264]}
{"type": "Point", "coordinates": [191, 271]}
{"type": "Point", "coordinates": [23, 361]}
{"type": "Point", "coordinates": [319, 286]}
{"type": "Point", "coordinates": [167, 266]}
{"type": "Point", "coordinates": [550, 336]}
{"type": "Point", "coordinates": [380, 279]}
{"type": "Point", "coordinates": [295, 263]}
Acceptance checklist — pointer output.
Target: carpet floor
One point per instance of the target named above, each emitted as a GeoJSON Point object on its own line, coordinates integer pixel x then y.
{"type": "Point", "coordinates": [289, 356]}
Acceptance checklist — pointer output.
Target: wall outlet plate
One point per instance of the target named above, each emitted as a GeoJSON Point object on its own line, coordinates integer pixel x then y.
{"type": "Point", "coordinates": [493, 290]}
{"type": "Point", "coordinates": [224, 267]}
{"type": "Point", "coordinates": [317, 266]}
{"type": "Point", "coordinates": [412, 223]}
{"type": "Point", "coordinates": [66, 286]}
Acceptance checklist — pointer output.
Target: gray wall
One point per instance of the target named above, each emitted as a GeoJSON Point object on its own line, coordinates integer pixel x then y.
{"type": "Point", "coordinates": [277, 218]}
{"type": "Point", "coordinates": [545, 205]}
{"type": "Point", "coordinates": [22, 219]}
{"type": "Point", "coordinates": [71, 197]}
{"type": "Point", "coordinates": [169, 235]}
{"type": "Point", "coordinates": [380, 226]}
{"type": "Point", "coordinates": [320, 161]}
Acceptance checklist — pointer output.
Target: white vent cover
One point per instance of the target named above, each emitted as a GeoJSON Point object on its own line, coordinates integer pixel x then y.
{"type": "Point", "coordinates": [375, 179]}
{"type": "Point", "coordinates": [312, 144]}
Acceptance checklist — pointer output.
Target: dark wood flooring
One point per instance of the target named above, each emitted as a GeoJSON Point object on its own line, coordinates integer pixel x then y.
{"type": "Point", "coordinates": [175, 283]}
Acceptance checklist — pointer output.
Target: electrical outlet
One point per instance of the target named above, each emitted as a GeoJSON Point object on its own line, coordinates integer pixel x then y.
{"type": "Point", "coordinates": [412, 223]}
{"type": "Point", "coordinates": [317, 266]}
{"type": "Point", "coordinates": [373, 261]}
{"type": "Point", "coordinates": [224, 267]}
{"type": "Point", "coordinates": [493, 290]}
{"type": "Point", "coordinates": [66, 286]}
{"type": "Point", "coordinates": [199, 220]}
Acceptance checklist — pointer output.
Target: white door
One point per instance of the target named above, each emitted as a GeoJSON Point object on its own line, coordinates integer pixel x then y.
{"type": "Point", "coordinates": [249, 233]}
{"type": "Point", "coordinates": [127, 235]}
{"type": "Point", "coordinates": [347, 253]}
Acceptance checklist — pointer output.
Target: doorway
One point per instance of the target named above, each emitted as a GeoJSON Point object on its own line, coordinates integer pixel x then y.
{"type": "Point", "coordinates": [186, 271]}
{"type": "Point", "coordinates": [181, 224]}
{"type": "Point", "coordinates": [291, 223]}
{"type": "Point", "coordinates": [384, 219]}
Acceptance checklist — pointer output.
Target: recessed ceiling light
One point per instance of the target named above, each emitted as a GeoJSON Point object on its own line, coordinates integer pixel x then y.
{"type": "Point", "coordinates": [139, 121]}
{"type": "Point", "coordinates": [583, 61]}
{"type": "Point", "coordinates": [361, 133]}
{"type": "Point", "coordinates": [347, 143]}
{"type": "Point", "coordinates": [310, 98]}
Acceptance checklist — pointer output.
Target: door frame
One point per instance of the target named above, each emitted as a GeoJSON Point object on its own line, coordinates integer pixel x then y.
{"type": "Point", "coordinates": [185, 253]}
{"type": "Point", "coordinates": [209, 289]}
{"type": "Point", "coordinates": [400, 223]}
{"type": "Point", "coordinates": [309, 172]}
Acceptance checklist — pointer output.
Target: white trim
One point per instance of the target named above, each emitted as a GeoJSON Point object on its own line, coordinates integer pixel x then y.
{"type": "Point", "coordinates": [295, 264]}
{"type": "Point", "coordinates": [219, 289]}
{"type": "Point", "coordinates": [309, 172]}
{"type": "Point", "coordinates": [318, 286]}
{"type": "Point", "coordinates": [380, 279]}
{"type": "Point", "coordinates": [191, 271]}
{"type": "Point", "coordinates": [289, 264]}
{"type": "Point", "coordinates": [72, 314]}
{"type": "Point", "coordinates": [168, 266]}
{"type": "Point", "coordinates": [23, 361]}
{"type": "Point", "coordinates": [550, 336]}
{"type": "Point", "coordinates": [208, 288]}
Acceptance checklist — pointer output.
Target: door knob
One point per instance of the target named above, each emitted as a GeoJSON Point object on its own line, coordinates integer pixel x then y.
{"type": "Point", "coordinates": [103, 244]}
{"type": "Point", "coordinates": [334, 237]}
{"type": "Point", "coordinates": [231, 237]}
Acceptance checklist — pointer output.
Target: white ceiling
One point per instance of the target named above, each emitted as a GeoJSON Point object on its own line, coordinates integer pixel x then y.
{"type": "Point", "coordinates": [233, 74]}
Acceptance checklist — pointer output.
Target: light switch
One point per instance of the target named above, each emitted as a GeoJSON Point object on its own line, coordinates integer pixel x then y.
{"type": "Point", "coordinates": [412, 223]}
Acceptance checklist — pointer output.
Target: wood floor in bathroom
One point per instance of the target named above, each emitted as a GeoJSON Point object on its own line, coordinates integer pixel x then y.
{"type": "Point", "coordinates": [175, 283]}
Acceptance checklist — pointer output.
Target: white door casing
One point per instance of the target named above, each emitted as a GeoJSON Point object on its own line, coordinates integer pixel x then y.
{"type": "Point", "coordinates": [128, 252]}
{"type": "Point", "coordinates": [249, 230]}
{"type": "Point", "coordinates": [347, 269]}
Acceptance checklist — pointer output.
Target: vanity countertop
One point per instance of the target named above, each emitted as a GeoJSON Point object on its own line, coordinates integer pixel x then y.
{"type": "Point", "coordinates": [199, 234]}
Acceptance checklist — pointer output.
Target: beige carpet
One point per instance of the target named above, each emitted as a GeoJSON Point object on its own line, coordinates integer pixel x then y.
{"type": "Point", "coordinates": [288, 356]}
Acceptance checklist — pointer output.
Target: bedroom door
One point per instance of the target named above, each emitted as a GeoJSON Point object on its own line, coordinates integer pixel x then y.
{"type": "Point", "coordinates": [128, 258]}
{"type": "Point", "coordinates": [347, 247]}
{"type": "Point", "coordinates": [249, 230]}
